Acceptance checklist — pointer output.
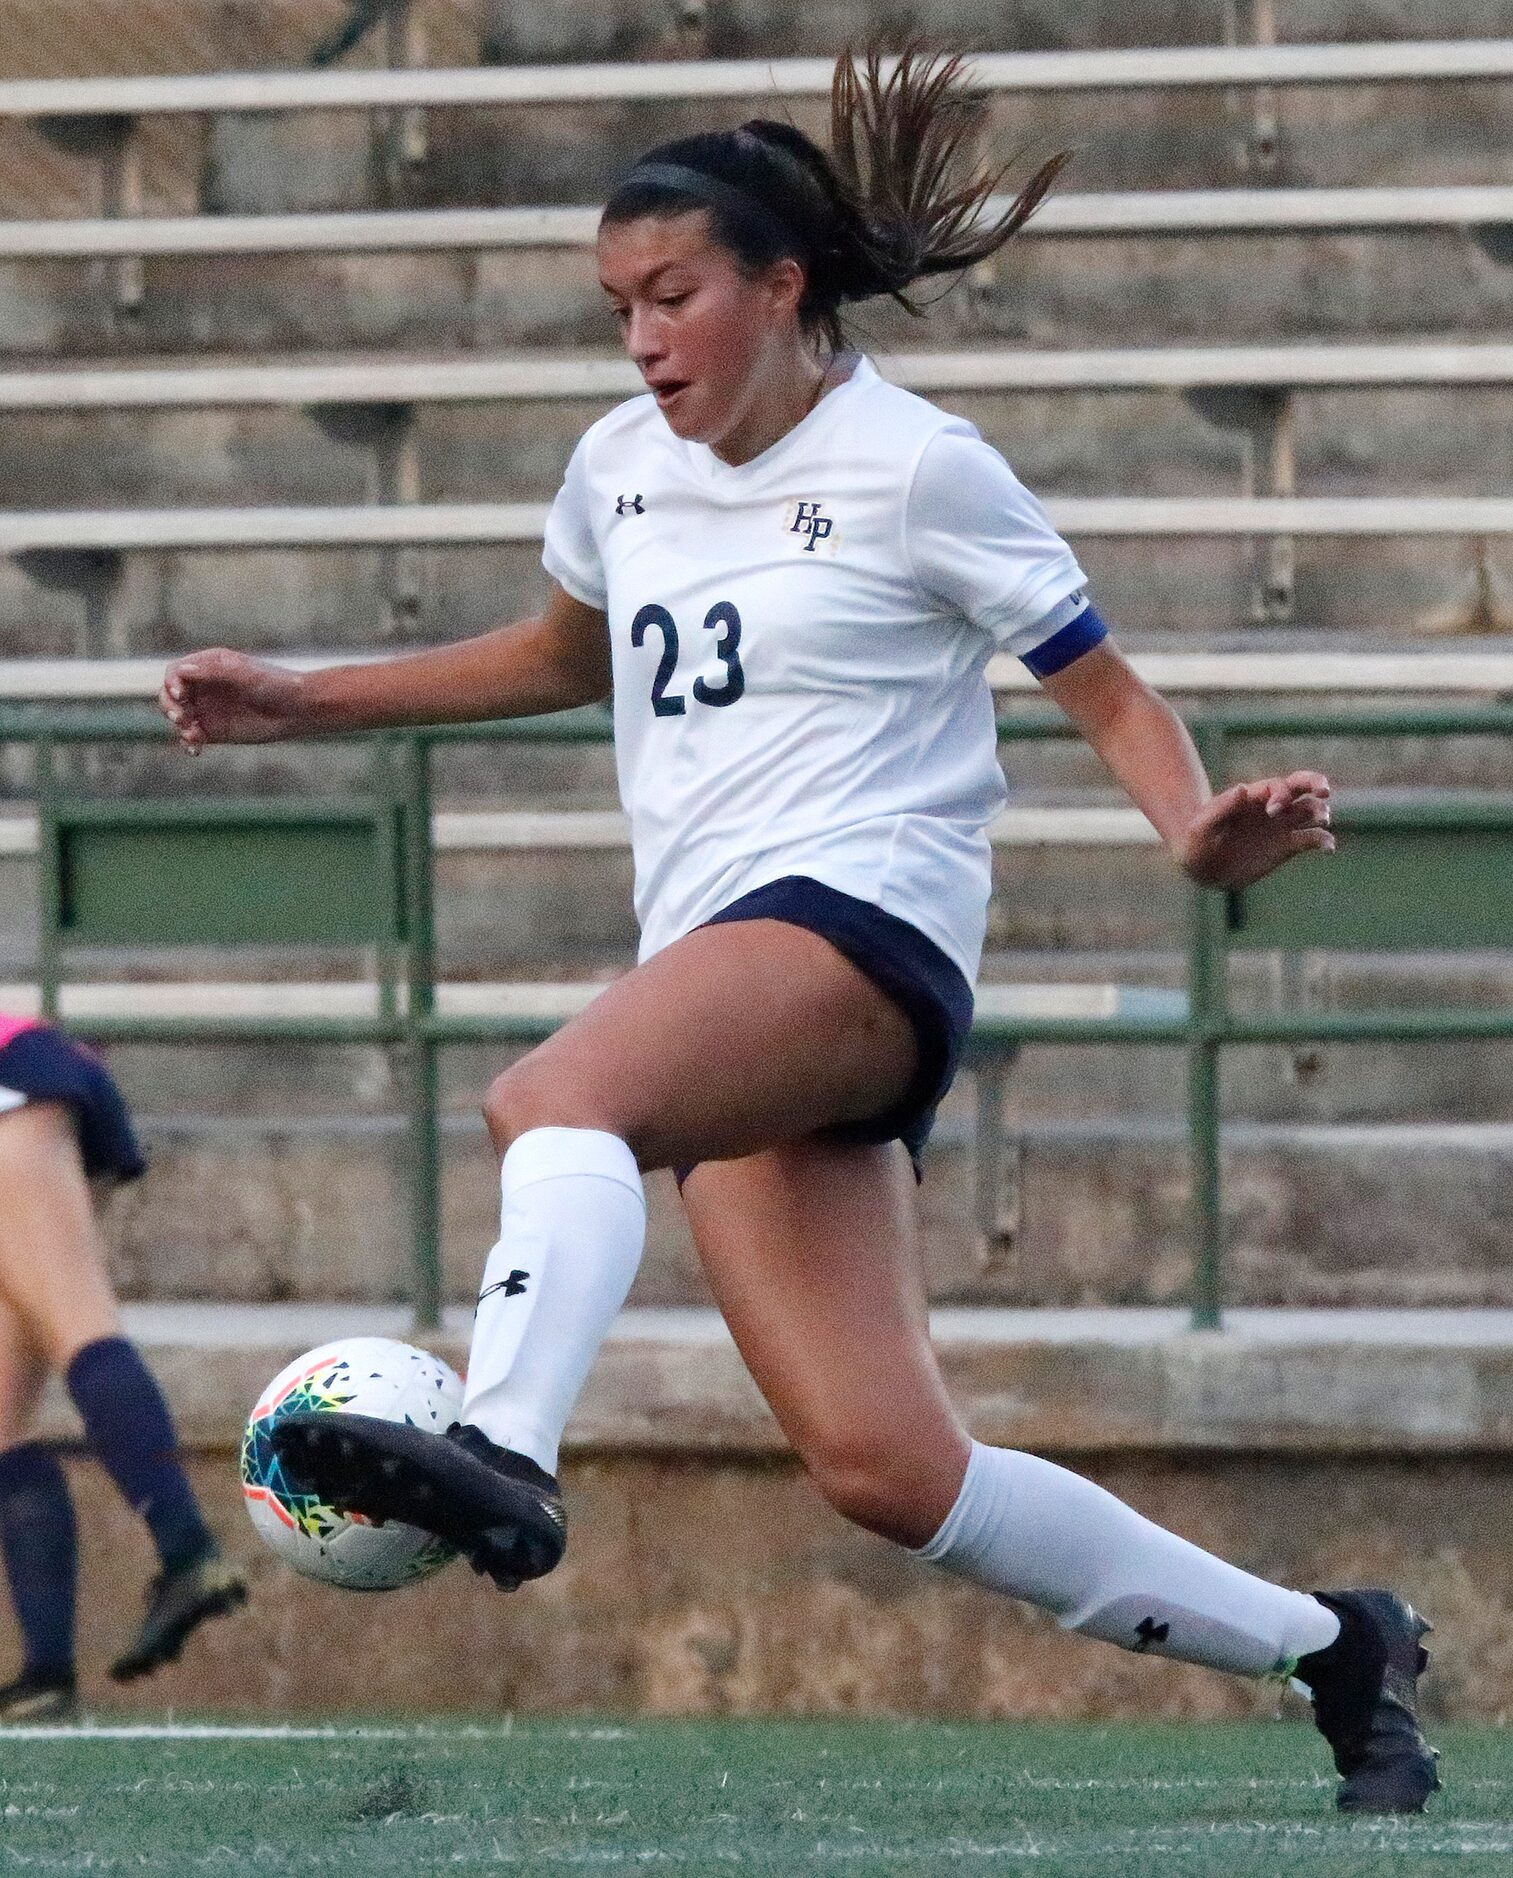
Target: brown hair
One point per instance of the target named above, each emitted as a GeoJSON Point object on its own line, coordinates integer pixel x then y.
{"type": "Point", "coordinates": [897, 198]}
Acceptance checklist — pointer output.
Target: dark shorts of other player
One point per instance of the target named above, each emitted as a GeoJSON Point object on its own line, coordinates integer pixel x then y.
{"type": "Point", "coordinates": [909, 968]}
{"type": "Point", "coordinates": [46, 1066]}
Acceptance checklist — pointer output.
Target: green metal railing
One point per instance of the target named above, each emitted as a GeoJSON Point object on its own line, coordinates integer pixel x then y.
{"type": "Point", "coordinates": [1434, 872]}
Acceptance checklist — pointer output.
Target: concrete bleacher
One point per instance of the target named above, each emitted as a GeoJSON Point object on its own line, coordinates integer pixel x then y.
{"type": "Point", "coordinates": [462, 450]}
{"type": "Point", "coordinates": [169, 487]}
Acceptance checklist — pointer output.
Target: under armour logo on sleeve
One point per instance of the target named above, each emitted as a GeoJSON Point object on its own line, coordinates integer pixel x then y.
{"type": "Point", "coordinates": [629, 505]}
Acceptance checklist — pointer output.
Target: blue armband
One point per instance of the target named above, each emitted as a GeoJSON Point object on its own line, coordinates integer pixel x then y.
{"type": "Point", "coordinates": [1079, 635]}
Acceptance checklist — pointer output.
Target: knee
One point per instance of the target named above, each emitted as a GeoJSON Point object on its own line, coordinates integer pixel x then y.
{"type": "Point", "coordinates": [870, 1484]}
{"type": "Point", "coordinates": [530, 1095]}
{"type": "Point", "coordinates": [516, 1102]}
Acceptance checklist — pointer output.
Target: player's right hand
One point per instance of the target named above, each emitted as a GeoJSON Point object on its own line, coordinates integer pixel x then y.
{"type": "Point", "coordinates": [222, 696]}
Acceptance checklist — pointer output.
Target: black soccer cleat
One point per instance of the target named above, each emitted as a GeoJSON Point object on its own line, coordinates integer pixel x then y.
{"type": "Point", "coordinates": [178, 1602]}
{"type": "Point", "coordinates": [39, 1695]}
{"type": "Point", "coordinates": [1364, 1688]}
{"type": "Point", "coordinates": [501, 1511]}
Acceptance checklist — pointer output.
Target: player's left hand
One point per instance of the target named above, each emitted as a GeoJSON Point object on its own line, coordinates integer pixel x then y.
{"type": "Point", "coordinates": [1247, 832]}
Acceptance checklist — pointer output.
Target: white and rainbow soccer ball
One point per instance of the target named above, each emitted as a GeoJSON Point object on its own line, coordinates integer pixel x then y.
{"type": "Point", "coordinates": [356, 1376]}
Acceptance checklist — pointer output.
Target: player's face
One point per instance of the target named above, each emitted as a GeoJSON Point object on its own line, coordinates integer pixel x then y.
{"type": "Point", "coordinates": [712, 341]}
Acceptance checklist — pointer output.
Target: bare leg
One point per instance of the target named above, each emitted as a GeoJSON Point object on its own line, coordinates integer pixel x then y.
{"type": "Point", "coordinates": [38, 1541]}
{"type": "Point", "coordinates": [812, 1255]}
{"type": "Point", "coordinates": [52, 1259]}
{"type": "Point", "coordinates": [53, 1274]}
{"type": "Point", "coordinates": [735, 1037]}
{"type": "Point", "coordinates": [23, 1373]}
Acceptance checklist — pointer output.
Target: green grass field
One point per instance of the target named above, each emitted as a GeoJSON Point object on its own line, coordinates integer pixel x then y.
{"type": "Point", "coordinates": [762, 1797]}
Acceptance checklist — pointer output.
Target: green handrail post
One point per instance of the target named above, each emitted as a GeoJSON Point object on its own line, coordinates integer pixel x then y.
{"type": "Point", "coordinates": [420, 1047]}
{"type": "Point", "coordinates": [1207, 1002]}
{"type": "Point", "coordinates": [49, 964]}
{"type": "Point", "coordinates": [388, 780]}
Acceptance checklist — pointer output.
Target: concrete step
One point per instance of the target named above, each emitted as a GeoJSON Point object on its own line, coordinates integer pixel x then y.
{"type": "Point", "coordinates": [1413, 1214]}
{"type": "Point", "coordinates": [282, 601]}
{"type": "Point", "coordinates": [1081, 1381]}
{"type": "Point", "coordinates": [1316, 1214]}
{"type": "Point", "coordinates": [1348, 442]}
{"type": "Point", "coordinates": [318, 159]}
{"type": "Point", "coordinates": [1082, 291]}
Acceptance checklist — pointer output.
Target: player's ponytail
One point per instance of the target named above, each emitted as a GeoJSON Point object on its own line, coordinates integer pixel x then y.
{"type": "Point", "coordinates": [898, 199]}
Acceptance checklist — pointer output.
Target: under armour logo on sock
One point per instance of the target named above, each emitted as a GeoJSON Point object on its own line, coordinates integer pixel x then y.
{"type": "Point", "coordinates": [512, 1287]}
{"type": "Point", "coordinates": [1149, 1632]}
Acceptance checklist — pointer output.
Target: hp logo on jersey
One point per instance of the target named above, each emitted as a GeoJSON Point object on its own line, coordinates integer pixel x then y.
{"type": "Point", "coordinates": [809, 520]}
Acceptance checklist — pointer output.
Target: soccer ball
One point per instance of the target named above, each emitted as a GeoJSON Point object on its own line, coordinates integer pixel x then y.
{"type": "Point", "coordinates": [360, 1376]}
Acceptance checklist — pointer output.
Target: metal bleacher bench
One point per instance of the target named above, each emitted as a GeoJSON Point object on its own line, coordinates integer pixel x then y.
{"type": "Point", "coordinates": [1125, 69]}
{"type": "Point", "coordinates": [382, 378]}
{"type": "Point", "coordinates": [118, 102]}
{"type": "Point", "coordinates": [387, 231]}
{"type": "Point", "coordinates": [440, 523]}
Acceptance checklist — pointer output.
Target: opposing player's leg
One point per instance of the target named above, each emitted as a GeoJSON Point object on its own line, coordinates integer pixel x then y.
{"type": "Point", "coordinates": [53, 1272]}
{"type": "Point", "coordinates": [37, 1538]}
{"type": "Point", "coordinates": [736, 1036]}
{"type": "Point", "coordinates": [52, 1259]}
{"type": "Point", "coordinates": [809, 1249]}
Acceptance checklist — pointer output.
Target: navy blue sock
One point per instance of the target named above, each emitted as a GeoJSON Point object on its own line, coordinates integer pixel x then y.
{"type": "Point", "coordinates": [130, 1429]}
{"type": "Point", "coordinates": [41, 1555]}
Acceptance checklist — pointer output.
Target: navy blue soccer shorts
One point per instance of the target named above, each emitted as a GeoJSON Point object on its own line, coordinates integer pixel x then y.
{"type": "Point", "coordinates": [907, 967]}
{"type": "Point", "coordinates": [42, 1065]}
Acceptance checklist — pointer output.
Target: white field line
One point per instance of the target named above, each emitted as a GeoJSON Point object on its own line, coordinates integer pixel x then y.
{"type": "Point", "coordinates": [197, 1731]}
{"type": "Point", "coordinates": [290, 1731]}
{"type": "Point", "coordinates": [932, 1854]}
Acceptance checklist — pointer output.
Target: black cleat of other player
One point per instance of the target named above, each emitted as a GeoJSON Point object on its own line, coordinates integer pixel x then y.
{"type": "Point", "coordinates": [178, 1602]}
{"type": "Point", "coordinates": [39, 1695]}
{"type": "Point", "coordinates": [501, 1511]}
{"type": "Point", "coordinates": [1364, 1688]}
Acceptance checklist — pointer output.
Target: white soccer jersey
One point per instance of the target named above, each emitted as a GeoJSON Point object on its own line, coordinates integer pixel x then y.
{"type": "Point", "coordinates": [798, 649]}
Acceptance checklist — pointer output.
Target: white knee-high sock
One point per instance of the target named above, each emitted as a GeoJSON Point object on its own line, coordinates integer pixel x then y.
{"type": "Point", "coordinates": [1025, 1527]}
{"type": "Point", "coordinates": [571, 1228]}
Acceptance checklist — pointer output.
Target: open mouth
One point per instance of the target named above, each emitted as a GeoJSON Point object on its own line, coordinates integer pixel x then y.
{"type": "Point", "coordinates": [665, 394]}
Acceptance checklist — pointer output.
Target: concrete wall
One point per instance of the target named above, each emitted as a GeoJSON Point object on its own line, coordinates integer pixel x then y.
{"type": "Point", "coordinates": [1316, 1215]}
{"type": "Point", "coordinates": [704, 1576]}
{"type": "Point", "coordinates": [696, 1588]}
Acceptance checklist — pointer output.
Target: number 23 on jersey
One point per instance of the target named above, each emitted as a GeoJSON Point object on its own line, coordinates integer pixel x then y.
{"type": "Point", "coordinates": [721, 618]}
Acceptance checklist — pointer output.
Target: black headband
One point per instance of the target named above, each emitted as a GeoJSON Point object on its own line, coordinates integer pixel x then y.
{"type": "Point", "coordinates": [711, 192]}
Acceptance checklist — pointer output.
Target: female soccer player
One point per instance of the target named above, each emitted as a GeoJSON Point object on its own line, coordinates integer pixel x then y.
{"type": "Point", "coordinates": [62, 1122]}
{"type": "Point", "coordinates": [791, 576]}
